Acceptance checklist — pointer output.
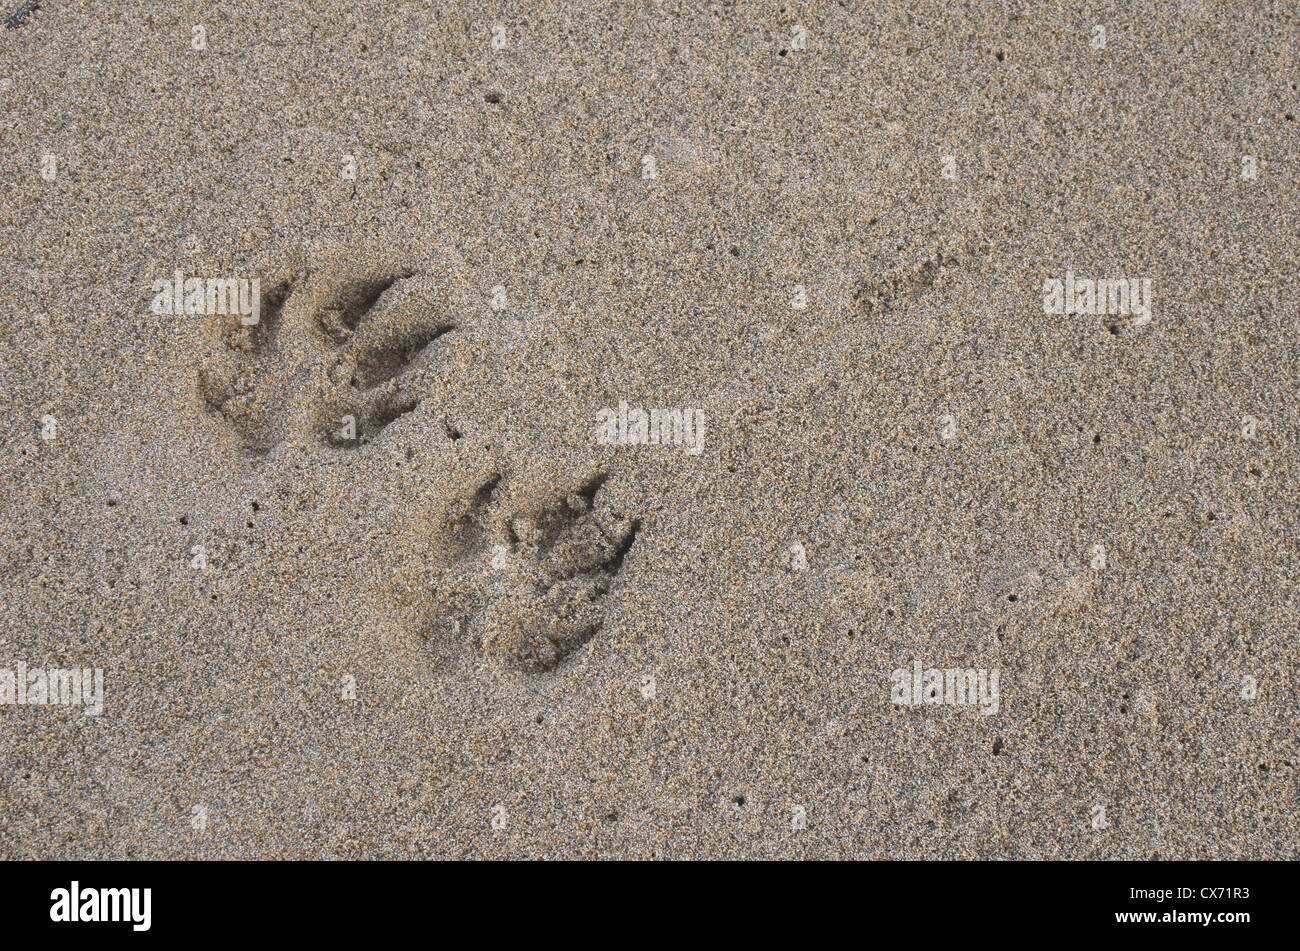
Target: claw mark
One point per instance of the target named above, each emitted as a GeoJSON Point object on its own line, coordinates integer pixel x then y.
{"type": "Point", "coordinates": [379, 364]}
{"type": "Point", "coordinates": [341, 317]}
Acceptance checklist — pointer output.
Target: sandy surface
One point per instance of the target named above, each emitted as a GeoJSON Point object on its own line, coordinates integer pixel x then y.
{"type": "Point", "coordinates": [562, 647]}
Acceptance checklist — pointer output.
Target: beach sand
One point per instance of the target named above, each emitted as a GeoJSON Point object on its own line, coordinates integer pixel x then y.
{"type": "Point", "coordinates": [468, 623]}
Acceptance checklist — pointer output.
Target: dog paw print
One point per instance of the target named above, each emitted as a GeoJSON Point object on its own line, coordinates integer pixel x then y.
{"type": "Point", "coordinates": [526, 587]}
{"type": "Point", "coordinates": [330, 361]}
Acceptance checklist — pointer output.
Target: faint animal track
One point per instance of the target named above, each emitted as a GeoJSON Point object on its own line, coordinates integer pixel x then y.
{"type": "Point", "coordinates": [877, 295]}
{"type": "Point", "coordinates": [332, 363]}
{"type": "Point", "coordinates": [526, 587]}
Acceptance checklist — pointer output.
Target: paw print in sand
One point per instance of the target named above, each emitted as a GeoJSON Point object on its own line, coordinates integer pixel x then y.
{"type": "Point", "coordinates": [332, 360]}
{"type": "Point", "coordinates": [526, 587]}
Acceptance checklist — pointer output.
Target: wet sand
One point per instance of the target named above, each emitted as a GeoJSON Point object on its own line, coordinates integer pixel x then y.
{"type": "Point", "coordinates": [486, 618]}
